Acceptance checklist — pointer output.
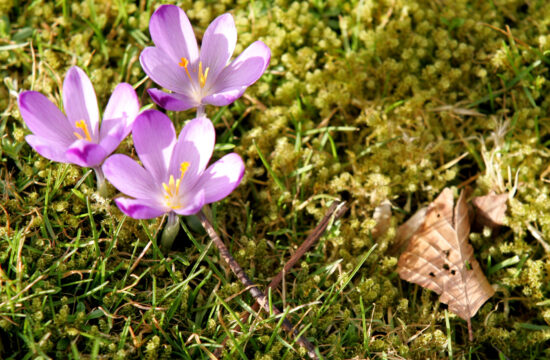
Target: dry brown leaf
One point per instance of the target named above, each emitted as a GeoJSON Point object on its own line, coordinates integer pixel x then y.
{"type": "Point", "coordinates": [406, 230]}
{"type": "Point", "coordinates": [490, 209]}
{"type": "Point", "coordinates": [440, 258]}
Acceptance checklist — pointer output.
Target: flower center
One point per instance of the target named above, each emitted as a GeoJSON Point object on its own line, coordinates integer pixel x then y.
{"type": "Point", "coordinates": [171, 198]}
{"type": "Point", "coordinates": [81, 124]}
{"type": "Point", "coordinates": [202, 76]}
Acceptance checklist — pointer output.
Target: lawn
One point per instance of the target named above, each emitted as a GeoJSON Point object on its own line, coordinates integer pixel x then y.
{"type": "Point", "coordinates": [378, 104]}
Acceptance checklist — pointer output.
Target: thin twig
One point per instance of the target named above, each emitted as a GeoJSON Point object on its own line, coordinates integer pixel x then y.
{"type": "Point", "coordinates": [336, 210]}
{"type": "Point", "coordinates": [254, 291]}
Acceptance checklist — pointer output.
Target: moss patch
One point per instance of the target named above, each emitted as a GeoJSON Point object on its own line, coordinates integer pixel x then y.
{"type": "Point", "coordinates": [363, 100]}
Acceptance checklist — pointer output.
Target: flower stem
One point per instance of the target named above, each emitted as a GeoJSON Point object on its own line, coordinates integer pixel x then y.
{"type": "Point", "coordinates": [101, 184]}
{"type": "Point", "coordinates": [252, 288]}
{"type": "Point", "coordinates": [201, 111]}
{"type": "Point", "coordinates": [170, 232]}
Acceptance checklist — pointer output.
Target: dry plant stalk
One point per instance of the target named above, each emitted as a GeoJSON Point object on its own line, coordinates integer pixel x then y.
{"type": "Point", "coordinates": [252, 288]}
{"type": "Point", "coordinates": [440, 258]}
{"type": "Point", "coordinates": [336, 210]}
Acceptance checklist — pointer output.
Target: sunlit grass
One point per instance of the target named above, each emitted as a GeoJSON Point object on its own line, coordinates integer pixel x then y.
{"type": "Point", "coordinates": [363, 101]}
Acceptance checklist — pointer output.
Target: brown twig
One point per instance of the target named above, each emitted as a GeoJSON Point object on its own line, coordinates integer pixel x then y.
{"type": "Point", "coordinates": [508, 33]}
{"type": "Point", "coordinates": [254, 291]}
{"type": "Point", "coordinates": [336, 210]}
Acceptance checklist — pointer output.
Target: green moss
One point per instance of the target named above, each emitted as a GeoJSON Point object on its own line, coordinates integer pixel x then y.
{"type": "Point", "coordinates": [364, 100]}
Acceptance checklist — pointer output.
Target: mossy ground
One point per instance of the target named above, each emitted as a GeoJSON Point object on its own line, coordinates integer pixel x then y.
{"type": "Point", "coordinates": [363, 100]}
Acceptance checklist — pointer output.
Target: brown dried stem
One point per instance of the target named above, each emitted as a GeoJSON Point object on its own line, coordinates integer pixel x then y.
{"type": "Point", "coordinates": [336, 210]}
{"type": "Point", "coordinates": [261, 299]}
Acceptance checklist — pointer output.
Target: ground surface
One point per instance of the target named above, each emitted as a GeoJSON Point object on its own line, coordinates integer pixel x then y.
{"type": "Point", "coordinates": [365, 101]}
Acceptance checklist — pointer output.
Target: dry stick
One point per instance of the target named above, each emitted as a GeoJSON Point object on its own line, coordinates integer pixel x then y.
{"type": "Point", "coordinates": [336, 210]}
{"type": "Point", "coordinates": [256, 293]}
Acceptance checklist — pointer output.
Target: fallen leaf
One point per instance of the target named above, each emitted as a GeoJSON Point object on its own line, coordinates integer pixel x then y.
{"type": "Point", "coordinates": [406, 230]}
{"type": "Point", "coordinates": [490, 209]}
{"type": "Point", "coordinates": [440, 258]}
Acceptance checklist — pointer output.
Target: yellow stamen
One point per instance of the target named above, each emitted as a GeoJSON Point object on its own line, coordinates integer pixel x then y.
{"type": "Point", "coordinates": [183, 168]}
{"type": "Point", "coordinates": [173, 187]}
{"type": "Point", "coordinates": [183, 63]}
{"type": "Point", "coordinates": [82, 126]}
{"type": "Point", "coordinates": [168, 188]}
{"type": "Point", "coordinates": [202, 77]}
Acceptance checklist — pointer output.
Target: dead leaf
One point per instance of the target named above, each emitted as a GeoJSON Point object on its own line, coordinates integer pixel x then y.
{"type": "Point", "coordinates": [490, 209]}
{"type": "Point", "coordinates": [440, 258]}
{"type": "Point", "coordinates": [406, 230]}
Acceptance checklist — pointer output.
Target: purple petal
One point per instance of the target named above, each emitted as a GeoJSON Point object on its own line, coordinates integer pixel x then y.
{"type": "Point", "coordinates": [122, 109]}
{"type": "Point", "coordinates": [193, 203]}
{"type": "Point", "coordinates": [172, 32]}
{"type": "Point", "coordinates": [221, 178]}
{"type": "Point", "coordinates": [44, 119]}
{"type": "Point", "coordinates": [195, 146]}
{"type": "Point", "coordinates": [47, 148]}
{"type": "Point", "coordinates": [218, 44]}
{"type": "Point", "coordinates": [86, 154]}
{"type": "Point", "coordinates": [242, 72]}
{"type": "Point", "coordinates": [173, 101]}
{"type": "Point", "coordinates": [154, 139]}
{"type": "Point", "coordinates": [79, 100]}
{"type": "Point", "coordinates": [130, 178]}
{"type": "Point", "coordinates": [138, 208]}
{"type": "Point", "coordinates": [225, 97]}
{"type": "Point", "coordinates": [111, 141]}
{"type": "Point", "coordinates": [165, 72]}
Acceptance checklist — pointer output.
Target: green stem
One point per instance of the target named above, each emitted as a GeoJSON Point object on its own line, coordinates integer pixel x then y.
{"type": "Point", "coordinates": [170, 232]}
{"type": "Point", "coordinates": [201, 111]}
{"type": "Point", "coordinates": [101, 184]}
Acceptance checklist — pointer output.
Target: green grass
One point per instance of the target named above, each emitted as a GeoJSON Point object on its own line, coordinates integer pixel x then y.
{"type": "Point", "coordinates": [350, 108]}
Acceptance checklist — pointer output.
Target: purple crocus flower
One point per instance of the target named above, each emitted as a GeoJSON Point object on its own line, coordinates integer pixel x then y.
{"type": "Point", "coordinates": [174, 178]}
{"type": "Point", "coordinates": [78, 138]}
{"type": "Point", "coordinates": [198, 79]}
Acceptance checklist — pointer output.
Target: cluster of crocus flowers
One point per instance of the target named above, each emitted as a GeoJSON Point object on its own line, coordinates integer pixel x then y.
{"type": "Point", "coordinates": [195, 78]}
{"type": "Point", "coordinates": [174, 178]}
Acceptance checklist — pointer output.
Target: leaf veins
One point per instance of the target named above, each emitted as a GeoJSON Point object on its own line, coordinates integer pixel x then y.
{"type": "Point", "coordinates": [440, 258]}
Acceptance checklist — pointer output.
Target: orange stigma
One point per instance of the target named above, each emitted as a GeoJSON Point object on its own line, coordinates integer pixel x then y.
{"type": "Point", "coordinates": [183, 63]}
